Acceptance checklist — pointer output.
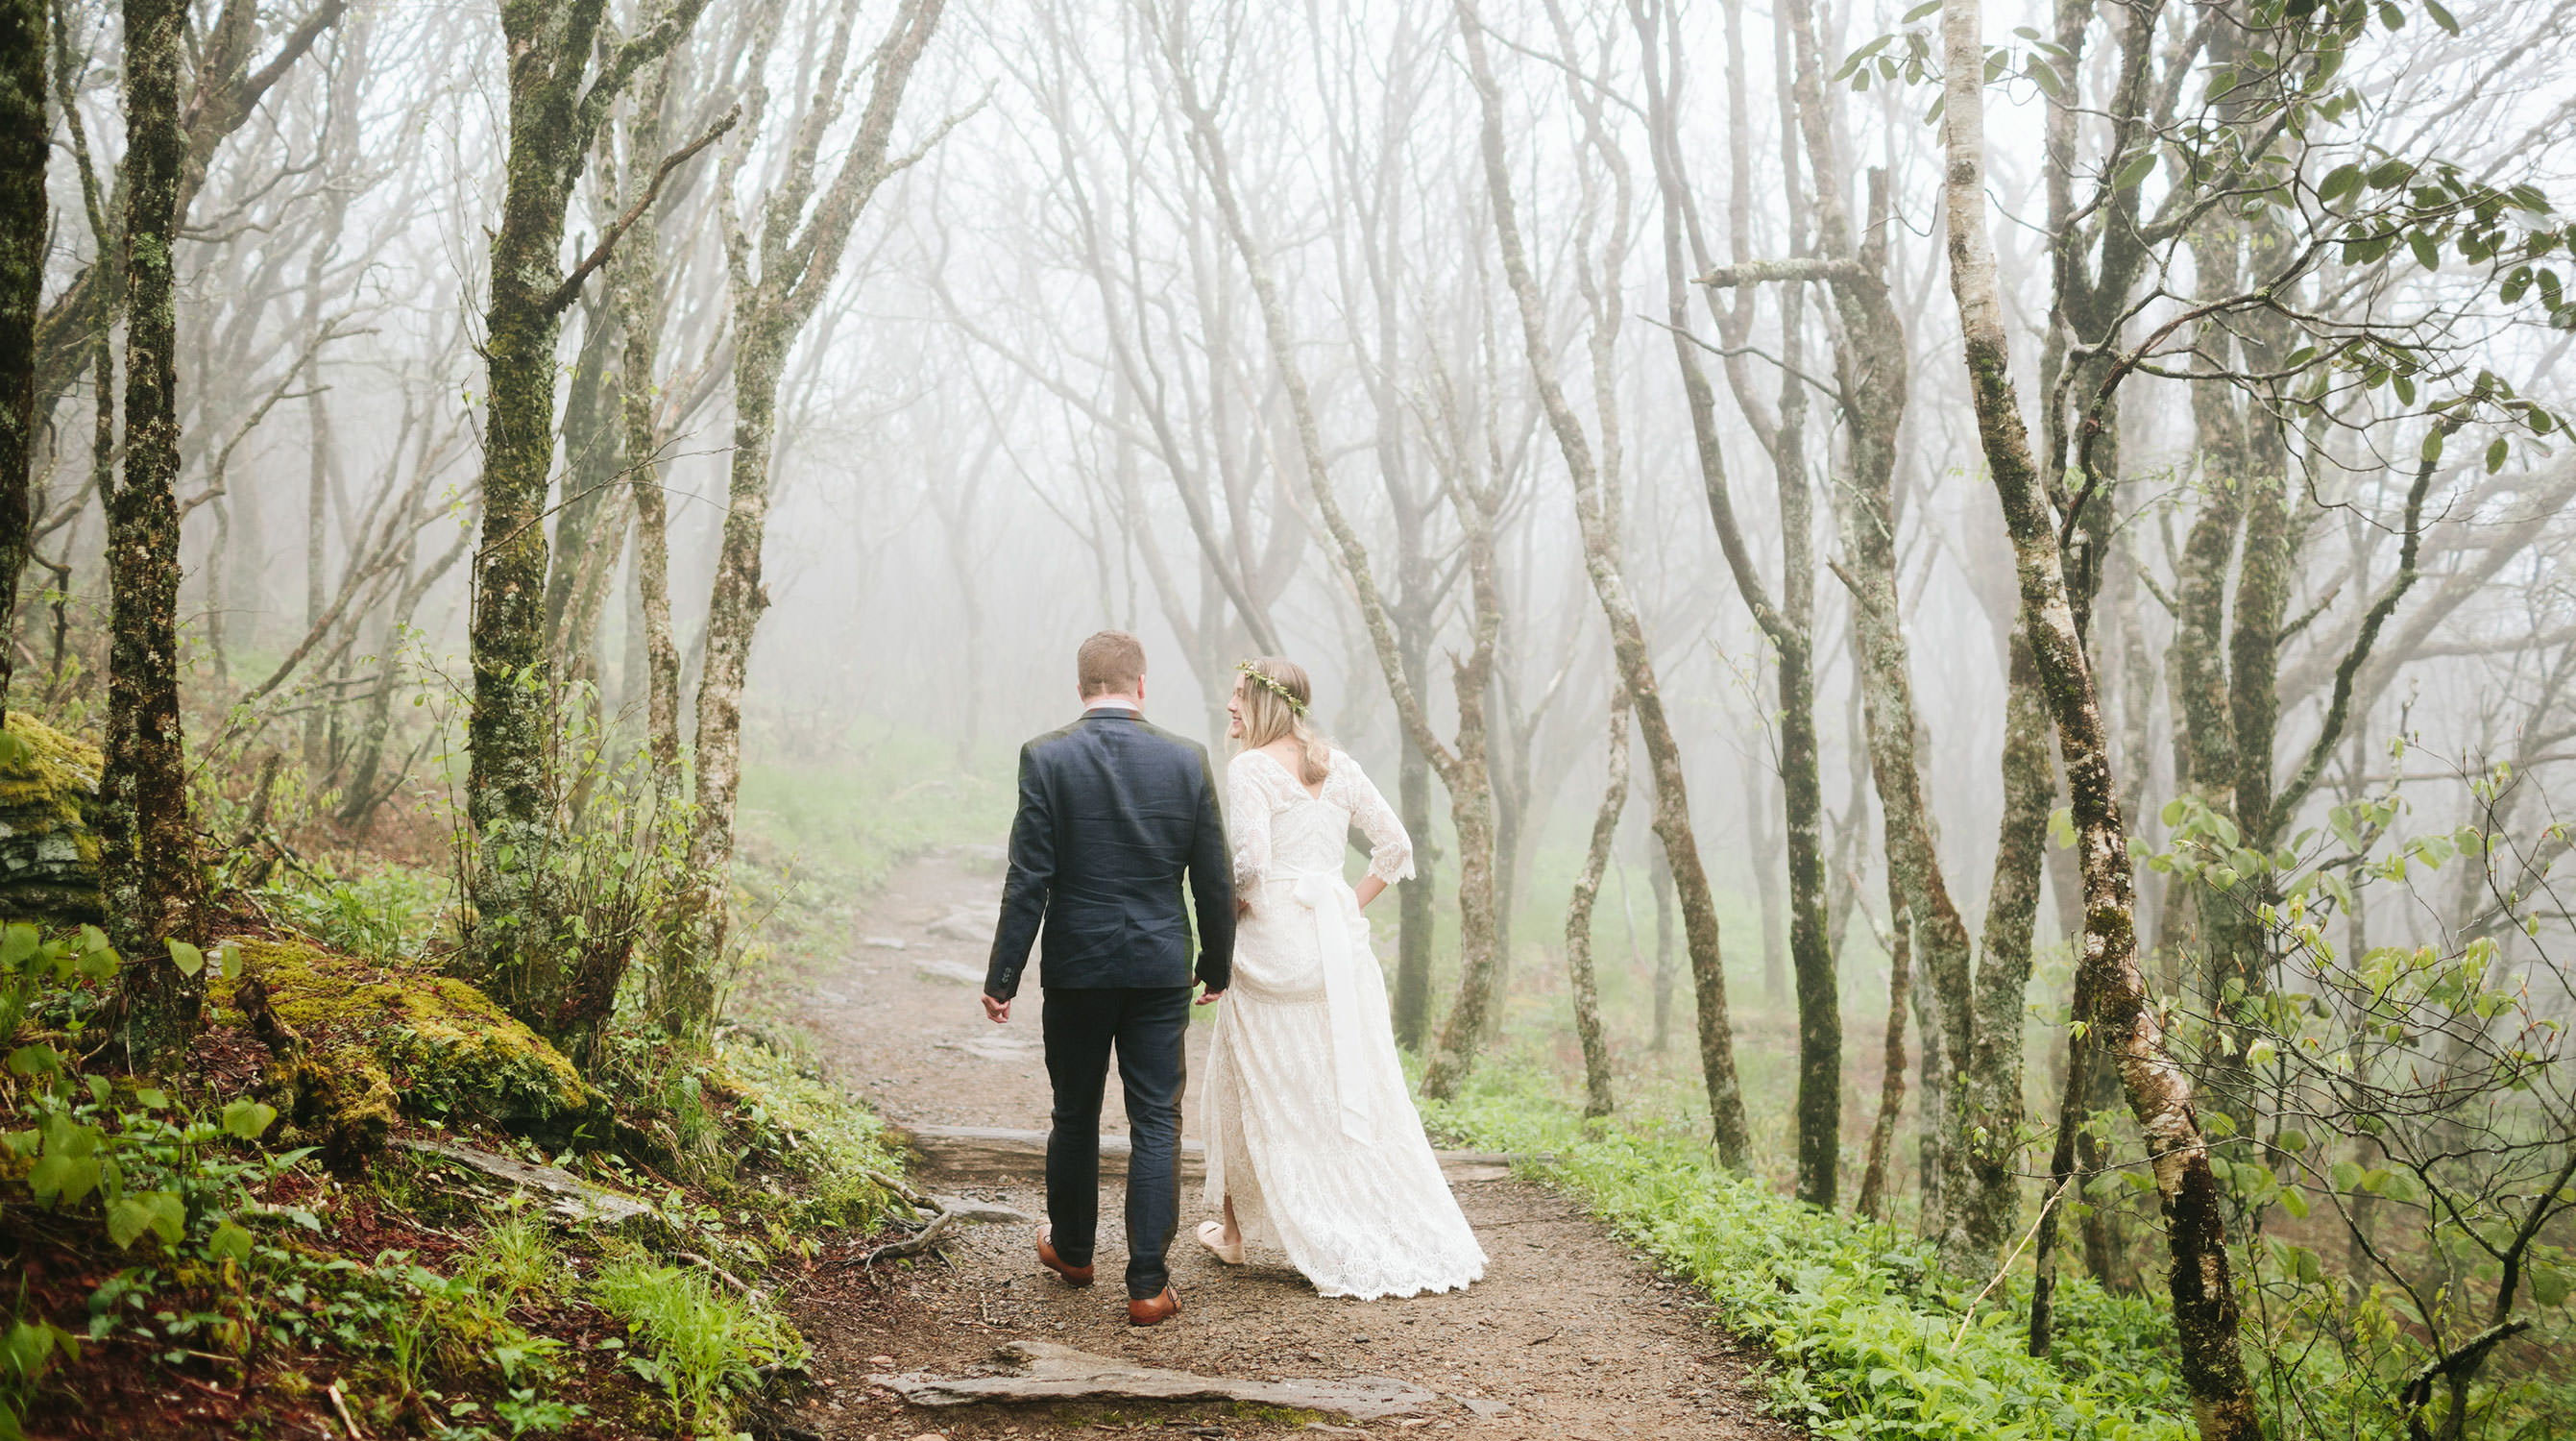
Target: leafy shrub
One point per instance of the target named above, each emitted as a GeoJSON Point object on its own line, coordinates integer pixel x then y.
{"type": "Point", "coordinates": [703, 1346]}
{"type": "Point", "coordinates": [382, 916]}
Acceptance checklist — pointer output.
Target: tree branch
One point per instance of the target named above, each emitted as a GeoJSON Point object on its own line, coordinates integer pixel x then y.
{"type": "Point", "coordinates": [1763, 272]}
{"type": "Point", "coordinates": [570, 290]}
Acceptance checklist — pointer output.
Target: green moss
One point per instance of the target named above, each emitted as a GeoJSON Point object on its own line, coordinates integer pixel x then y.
{"type": "Point", "coordinates": [49, 859]}
{"type": "Point", "coordinates": [436, 1046]}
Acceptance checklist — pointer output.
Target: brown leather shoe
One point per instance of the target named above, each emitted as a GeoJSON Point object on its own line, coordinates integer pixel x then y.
{"type": "Point", "coordinates": [1073, 1275]}
{"type": "Point", "coordinates": [1154, 1310]}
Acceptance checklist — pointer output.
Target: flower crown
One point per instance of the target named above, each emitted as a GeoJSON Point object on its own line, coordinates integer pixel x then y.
{"type": "Point", "coordinates": [1271, 684]}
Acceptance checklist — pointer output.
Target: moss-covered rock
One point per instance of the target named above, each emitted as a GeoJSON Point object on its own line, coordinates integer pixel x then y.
{"type": "Point", "coordinates": [442, 1049]}
{"type": "Point", "coordinates": [49, 866]}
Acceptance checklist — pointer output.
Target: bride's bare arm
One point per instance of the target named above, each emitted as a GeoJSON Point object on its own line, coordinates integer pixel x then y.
{"type": "Point", "coordinates": [1369, 889]}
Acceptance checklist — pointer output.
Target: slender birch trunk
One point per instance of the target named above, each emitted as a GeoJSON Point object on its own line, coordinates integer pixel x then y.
{"type": "Point", "coordinates": [2111, 998]}
{"type": "Point", "coordinates": [1819, 1099]}
{"type": "Point", "coordinates": [1627, 633]}
{"type": "Point", "coordinates": [149, 850]}
{"type": "Point", "coordinates": [799, 257]}
{"type": "Point", "coordinates": [1578, 915]}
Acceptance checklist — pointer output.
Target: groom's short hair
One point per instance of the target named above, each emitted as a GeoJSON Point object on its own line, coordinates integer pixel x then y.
{"type": "Point", "coordinates": [1111, 662]}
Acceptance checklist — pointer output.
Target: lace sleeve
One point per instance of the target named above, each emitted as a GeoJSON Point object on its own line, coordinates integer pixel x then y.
{"type": "Point", "coordinates": [1247, 822]}
{"type": "Point", "coordinates": [1390, 849]}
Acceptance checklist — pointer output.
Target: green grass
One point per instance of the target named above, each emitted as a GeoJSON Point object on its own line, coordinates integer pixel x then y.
{"type": "Point", "coordinates": [1868, 1336]}
{"type": "Point", "coordinates": [894, 791]}
{"type": "Point", "coordinates": [700, 1343]}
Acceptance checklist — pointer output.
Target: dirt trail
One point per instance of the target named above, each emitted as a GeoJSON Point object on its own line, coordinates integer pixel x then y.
{"type": "Point", "coordinates": [1567, 1336]}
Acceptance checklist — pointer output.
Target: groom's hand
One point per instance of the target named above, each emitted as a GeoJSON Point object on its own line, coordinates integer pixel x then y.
{"type": "Point", "coordinates": [1210, 998]}
{"type": "Point", "coordinates": [996, 1011]}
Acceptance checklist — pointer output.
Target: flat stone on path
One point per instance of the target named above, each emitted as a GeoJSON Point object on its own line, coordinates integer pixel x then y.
{"type": "Point", "coordinates": [1050, 1372]}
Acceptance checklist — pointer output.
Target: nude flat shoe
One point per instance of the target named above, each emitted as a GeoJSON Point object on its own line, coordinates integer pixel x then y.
{"type": "Point", "coordinates": [1211, 1235]}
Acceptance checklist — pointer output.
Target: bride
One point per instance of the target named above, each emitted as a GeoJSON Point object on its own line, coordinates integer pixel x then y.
{"type": "Point", "coordinates": [1312, 1143]}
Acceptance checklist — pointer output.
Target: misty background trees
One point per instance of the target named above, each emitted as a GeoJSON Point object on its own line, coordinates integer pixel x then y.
{"type": "Point", "coordinates": [2070, 503]}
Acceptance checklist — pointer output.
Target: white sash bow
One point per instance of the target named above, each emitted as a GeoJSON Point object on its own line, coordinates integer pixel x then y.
{"type": "Point", "coordinates": [1335, 907]}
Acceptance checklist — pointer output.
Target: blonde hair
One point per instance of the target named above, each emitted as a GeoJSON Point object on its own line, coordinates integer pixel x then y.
{"type": "Point", "coordinates": [1275, 696]}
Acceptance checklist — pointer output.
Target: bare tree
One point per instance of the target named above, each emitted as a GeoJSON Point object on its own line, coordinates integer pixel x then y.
{"type": "Point", "coordinates": [798, 246]}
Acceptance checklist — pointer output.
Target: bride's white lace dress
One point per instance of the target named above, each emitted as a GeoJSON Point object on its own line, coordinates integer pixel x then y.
{"type": "Point", "coordinates": [1308, 1124]}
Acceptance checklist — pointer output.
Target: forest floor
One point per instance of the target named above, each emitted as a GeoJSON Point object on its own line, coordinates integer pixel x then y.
{"type": "Point", "coordinates": [1568, 1336]}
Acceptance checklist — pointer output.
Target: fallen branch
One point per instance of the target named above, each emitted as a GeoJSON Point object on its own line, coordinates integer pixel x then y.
{"type": "Point", "coordinates": [729, 1278]}
{"type": "Point", "coordinates": [929, 1236]}
{"type": "Point", "coordinates": [2006, 1268]}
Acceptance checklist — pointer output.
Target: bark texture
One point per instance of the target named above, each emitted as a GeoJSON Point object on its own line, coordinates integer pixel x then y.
{"type": "Point", "coordinates": [1985, 1207]}
{"type": "Point", "coordinates": [147, 845]}
{"type": "Point", "coordinates": [2111, 997]}
{"type": "Point", "coordinates": [1891, 1084]}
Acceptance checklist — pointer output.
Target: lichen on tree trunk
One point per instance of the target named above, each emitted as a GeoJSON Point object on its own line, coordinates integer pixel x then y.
{"type": "Point", "coordinates": [2110, 1000]}
{"type": "Point", "coordinates": [1985, 1203]}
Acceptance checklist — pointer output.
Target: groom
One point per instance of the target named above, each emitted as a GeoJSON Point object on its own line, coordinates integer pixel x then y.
{"type": "Point", "coordinates": [1112, 813]}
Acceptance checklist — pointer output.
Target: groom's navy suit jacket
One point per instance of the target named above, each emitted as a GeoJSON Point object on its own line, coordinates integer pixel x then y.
{"type": "Point", "coordinates": [1113, 814]}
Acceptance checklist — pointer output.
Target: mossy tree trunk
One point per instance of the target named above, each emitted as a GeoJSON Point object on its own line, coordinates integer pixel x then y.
{"type": "Point", "coordinates": [1986, 1206]}
{"type": "Point", "coordinates": [1595, 514]}
{"type": "Point", "coordinates": [558, 99]}
{"type": "Point", "coordinates": [25, 138]}
{"type": "Point", "coordinates": [1891, 1080]}
{"type": "Point", "coordinates": [798, 257]}
{"type": "Point", "coordinates": [2111, 995]}
{"type": "Point", "coordinates": [148, 848]}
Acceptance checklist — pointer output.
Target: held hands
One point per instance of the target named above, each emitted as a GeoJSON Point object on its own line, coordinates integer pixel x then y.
{"type": "Point", "coordinates": [996, 1011]}
{"type": "Point", "coordinates": [1209, 998]}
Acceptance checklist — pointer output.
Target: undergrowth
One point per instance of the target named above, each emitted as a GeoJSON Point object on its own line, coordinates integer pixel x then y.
{"type": "Point", "coordinates": [1867, 1332]}
{"type": "Point", "coordinates": [704, 1347]}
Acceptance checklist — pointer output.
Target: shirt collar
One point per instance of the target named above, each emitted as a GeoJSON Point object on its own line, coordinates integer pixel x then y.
{"type": "Point", "coordinates": [1111, 704]}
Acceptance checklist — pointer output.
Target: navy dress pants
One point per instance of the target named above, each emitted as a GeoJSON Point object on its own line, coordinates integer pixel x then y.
{"type": "Point", "coordinates": [1147, 1026]}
